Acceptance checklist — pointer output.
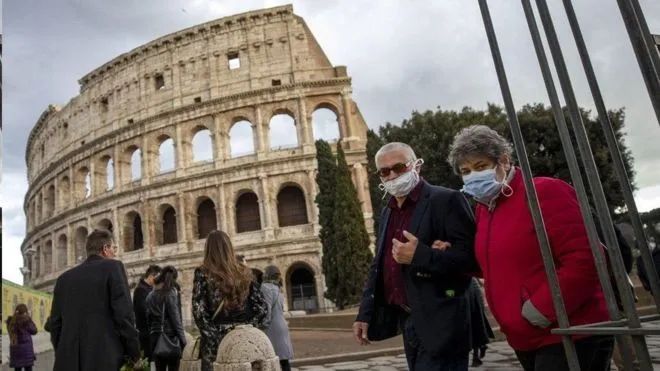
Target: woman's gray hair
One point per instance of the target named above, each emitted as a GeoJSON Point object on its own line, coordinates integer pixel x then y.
{"type": "Point", "coordinates": [396, 146]}
{"type": "Point", "coordinates": [477, 140]}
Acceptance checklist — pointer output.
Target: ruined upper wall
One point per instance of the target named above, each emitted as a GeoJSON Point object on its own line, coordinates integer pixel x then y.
{"type": "Point", "coordinates": [273, 47]}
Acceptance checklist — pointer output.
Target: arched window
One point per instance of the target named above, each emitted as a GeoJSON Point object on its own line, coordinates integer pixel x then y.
{"type": "Point", "coordinates": [169, 234]}
{"type": "Point", "coordinates": [61, 252]}
{"type": "Point", "coordinates": [84, 183]}
{"type": "Point", "coordinates": [291, 207]}
{"type": "Point", "coordinates": [206, 219]}
{"type": "Point", "coordinates": [106, 224]}
{"type": "Point", "coordinates": [202, 144]}
{"type": "Point", "coordinates": [133, 237]}
{"type": "Point", "coordinates": [109, 174]}
{"type": "Point", "coordinates": [48, 257]}
{"type": "Point", "coordinates": [166, 155]}
{"type": "Point", "coordinates": [247, 213]}
{"type": "Point", "coordinates": [325, 125]}
{"type": "Point", "coordinates": [301, 287]}
{"type": "Point", "coordinates": [282, 132]}
{"type": "Point", "coordinates": [81, 240]}
{"type": "Point", "coordinates": [64, 188]}
{"type": "Point", "coordinates": [136, 164]}
{"type": "Point", "coordinates": [50, 201]}
{"type": "Point", "coordinates": [241, 139]}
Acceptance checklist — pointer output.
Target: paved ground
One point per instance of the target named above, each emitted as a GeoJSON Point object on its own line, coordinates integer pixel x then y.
{"type": "Point", "coordinates": [315, 343]}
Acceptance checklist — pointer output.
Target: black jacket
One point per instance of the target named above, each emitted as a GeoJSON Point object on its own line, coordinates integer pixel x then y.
{"type": "Point", "coordinates": [159, 303]}
{"type": "Point", "coordinates": [140, 307]}
{"type": "Point", "coordinates": [435, 281]}
{"type": "Point", "coordinates": [92, 324]}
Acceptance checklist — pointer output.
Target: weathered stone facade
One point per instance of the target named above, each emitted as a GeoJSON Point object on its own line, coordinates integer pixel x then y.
{"type": "Point", "coordinates": [82, 157]}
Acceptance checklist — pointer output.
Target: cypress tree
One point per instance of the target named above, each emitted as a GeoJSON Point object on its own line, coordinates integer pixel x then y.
{"type": "Point", "coordinates": [351, 256]}
{"type": "Point", "coordinates": [325, 200]}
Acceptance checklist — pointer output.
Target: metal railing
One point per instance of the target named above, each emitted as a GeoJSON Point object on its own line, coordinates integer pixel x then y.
{"type": "Point", "coordinates": [622, 325]}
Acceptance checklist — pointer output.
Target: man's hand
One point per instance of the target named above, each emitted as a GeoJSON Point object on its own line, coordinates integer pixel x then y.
{"type": "Point", "coordinates": [360, 332]}
{"type": "Point", "coordinates": [441, 245]}
{"type": "Point", "coordinates": [403, 252]}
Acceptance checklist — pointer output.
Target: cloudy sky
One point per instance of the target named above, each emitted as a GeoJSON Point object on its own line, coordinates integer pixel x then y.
{"type": "Point", "coordinates": [402, 56]}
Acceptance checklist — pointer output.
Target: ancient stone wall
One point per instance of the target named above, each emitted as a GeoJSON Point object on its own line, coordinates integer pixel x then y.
{"type": "Point", "coordinates": [96, 161]}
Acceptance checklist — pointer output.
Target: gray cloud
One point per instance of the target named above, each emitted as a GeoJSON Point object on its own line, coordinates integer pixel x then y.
{"type": "Point", "coordinates": [401, 58]}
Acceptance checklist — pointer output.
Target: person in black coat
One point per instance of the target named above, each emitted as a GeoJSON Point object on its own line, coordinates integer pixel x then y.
{"type": "Point", "coordinates": [92, 325]}
{"type": "Point", "coordinates": [164, 316]}
{"type": "Point", "coordinates": [140, 293]}
{"type": "Point", "coordinates": [412, 287]}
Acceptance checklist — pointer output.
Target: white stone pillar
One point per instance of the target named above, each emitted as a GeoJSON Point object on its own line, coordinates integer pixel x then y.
{"type": "Point", "coordinates": [262, 143]}
{"type": "Point", "coordinates": [313, 208]}
{"type": "Point", "coordinates": [304, 122]}
{"type": "Point", "coordinates": [182, 221]}
{"type": "Point", "coordinates": [222, 206]}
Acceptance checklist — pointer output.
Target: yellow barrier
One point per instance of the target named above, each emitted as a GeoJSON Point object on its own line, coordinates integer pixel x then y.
{"type": "Point", "coordinates": [38, 303]}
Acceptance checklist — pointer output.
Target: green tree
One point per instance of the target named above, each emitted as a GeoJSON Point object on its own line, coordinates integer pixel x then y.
{"type": "Point", "coordinates": [325, 200]}
{"type": "Point", "coordinates": [374, 142]}
{"type": "Point", "coordinates": [351, 255]}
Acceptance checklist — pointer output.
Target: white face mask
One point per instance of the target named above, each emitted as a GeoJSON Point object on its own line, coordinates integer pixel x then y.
{"type": "Point", "coordinates": [404, 183]}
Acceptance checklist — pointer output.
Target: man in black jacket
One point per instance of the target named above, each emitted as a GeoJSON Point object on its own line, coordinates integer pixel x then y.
{"type": "Point", "coordinates": [92, 323]}
{"type": "Point", "coordinates": [140, 293]}
{"type": "Point", "coordinates": [412, 287]}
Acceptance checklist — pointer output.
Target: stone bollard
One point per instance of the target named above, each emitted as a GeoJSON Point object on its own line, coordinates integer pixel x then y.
{"type": "Point", "coordinates": [190, 361]}
{"type": "Point", "coordinates": [246, 348]}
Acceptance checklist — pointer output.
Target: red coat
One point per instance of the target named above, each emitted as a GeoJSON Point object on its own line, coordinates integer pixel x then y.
{"type": "Point", "coordinates": [509, 255]}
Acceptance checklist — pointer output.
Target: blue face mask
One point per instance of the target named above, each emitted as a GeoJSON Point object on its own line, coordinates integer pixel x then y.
{"type": "Point", "coordinates": [482, 185]}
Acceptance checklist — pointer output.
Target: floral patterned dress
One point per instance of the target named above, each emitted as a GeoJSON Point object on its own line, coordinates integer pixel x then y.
{"type": "Point", "coordinates": [205, 301]}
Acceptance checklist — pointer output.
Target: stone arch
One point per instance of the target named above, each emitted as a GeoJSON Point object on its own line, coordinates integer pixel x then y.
{"type": "Point", "coordinates": [50, 201]}
{"type": "Point", "coordinates": [248, 217]}
{"type": "Point", "coordinates": [106, 224]}
{"type": "Point", "coordinates": [202, 144]}
{"type": "Point", "coordinates": [241, 138]}
{"type": "Point", "coordinates": [166, 154]}
{"type": "Point", "coordinates": [282, 130]}
{"type": "Point", "coordinates": [133, 231]}
{"type": "Point", "coordinates": [64, 188]}
{"type": "Point", "coordinates": [131, 164]}
{"type": "Point", "coordinates": [104, 174]}
{"type": "Point", "coordinates": [39, 203]}
{"type": "Point", "coordinates": [207, 220]}
{"type": "Point", "coordinates": [325, 122]}
{"type": "Point", "coordinates": [62, 251]}
{"type": "Point", "coordinates": [301, 287]}
{"type": "Point", "coordinates": [166, 228]}
{"type": "Point", "coordinates": [83, 183]}
{"type": "Point", "coordinates": [48, 257]}
{"type": "Point", "coordinates": [291, 206]}
{"type": "Point", "coordinates": [80, 242]}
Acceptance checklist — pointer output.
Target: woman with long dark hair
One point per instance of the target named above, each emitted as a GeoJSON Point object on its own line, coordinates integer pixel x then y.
{"type": "Point", "coordinates": [224, 295]}
{"type": "Point", "coordinates": [21, 328]}
{"type": "Point", "coordinates": [164, 317]}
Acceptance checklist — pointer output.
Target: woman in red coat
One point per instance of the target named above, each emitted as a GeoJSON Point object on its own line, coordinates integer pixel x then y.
{"type": "Point", "coordinates": [509, 255]}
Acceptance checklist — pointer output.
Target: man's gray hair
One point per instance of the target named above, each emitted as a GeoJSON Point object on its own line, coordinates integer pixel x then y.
{"type": "Point", "coordinates": [396, 146]}
{"type": "Point", "coordinates": [477, 141]}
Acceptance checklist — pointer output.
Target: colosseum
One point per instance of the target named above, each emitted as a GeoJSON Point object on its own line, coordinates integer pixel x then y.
{"type": "Point", "coordinates": [209, 127]}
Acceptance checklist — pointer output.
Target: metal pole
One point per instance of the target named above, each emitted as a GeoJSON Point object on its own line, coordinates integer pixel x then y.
{"type": "Point", "coordinates": [594, 182]}
{"type": "Point", "coordinates": [533, 203]}
{"type": "Point", "coordinates": [612, 144]}
{"type": "Point", "coordinates": [646, 35]}
{"type": "Point", "coordinates": [571, 159]}
{"type": "Point", "coordinates": [642, 52]}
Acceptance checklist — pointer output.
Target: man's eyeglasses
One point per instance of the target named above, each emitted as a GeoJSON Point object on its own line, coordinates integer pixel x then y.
{"type": "Point", "coordinates": [397, 168]}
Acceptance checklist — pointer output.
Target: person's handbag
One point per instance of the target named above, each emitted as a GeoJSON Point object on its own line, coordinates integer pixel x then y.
{"type": "Point", "coordinates": [196, 343]}
{"type": "Point", "coordinates": [166, 347]}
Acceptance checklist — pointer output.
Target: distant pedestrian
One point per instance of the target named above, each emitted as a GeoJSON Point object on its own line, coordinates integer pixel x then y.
{"type": "Point", "coordinates": [21, 328]}
{"type": "Point", "coordinates": [140, 293]}
{"type": "Point", "coordinates": [164, 318]}
{"type": "Point", "coordinates": [275, 325]}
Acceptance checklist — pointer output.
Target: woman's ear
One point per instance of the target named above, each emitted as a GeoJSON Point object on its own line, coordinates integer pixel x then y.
{"type": "Point", "coordinates": [505, 162]}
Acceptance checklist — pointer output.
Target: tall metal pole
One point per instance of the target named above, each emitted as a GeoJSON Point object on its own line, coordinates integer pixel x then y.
{"type": "Point", "coordinates": [594, 182]}
{"type": "Point", "coordinates": [612, 144]}
{"type": "Point", "coordinates": [576, 176]}
{"type": "Point", "coordinates": [636, 31]}
{"type": "Point", "coordinates": [532, 199]}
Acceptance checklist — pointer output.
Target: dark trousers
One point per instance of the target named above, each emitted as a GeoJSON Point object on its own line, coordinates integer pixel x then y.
{"type": "Point", "coordinates": [594, 354]}
{"type": "Point", "coordinates": [421, 360]}
{"type": "Point", "coordinates": [28, 368]}
{"type": "Point", "coordinates": [284, 365]}
{"type": "Point", "coordinates": [145, 344]}
{"type": "Point", "coordinates": [167, 364]}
